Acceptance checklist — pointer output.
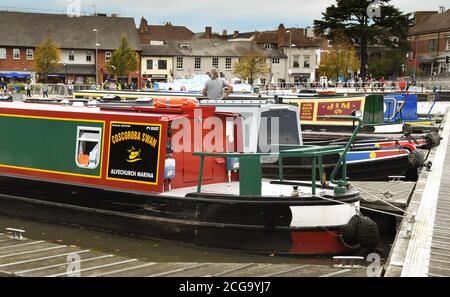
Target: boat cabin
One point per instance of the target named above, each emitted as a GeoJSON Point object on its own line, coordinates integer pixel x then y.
{"type": "Point", "coordinates": [265, 123]}
{"type": "Point", "coordinates": [128, 148]}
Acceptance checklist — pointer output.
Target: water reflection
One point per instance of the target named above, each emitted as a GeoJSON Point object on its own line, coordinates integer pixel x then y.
{"type": "Point", "coordinates": [142, 249]}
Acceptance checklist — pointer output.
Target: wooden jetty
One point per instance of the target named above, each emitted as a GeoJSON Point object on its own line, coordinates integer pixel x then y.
{"type": "Point", "coordinates": [23, 257]}
{"type": "Point", "coordinates": [392, 197]}
{"type": "Point", "coordinates": [422, 246]}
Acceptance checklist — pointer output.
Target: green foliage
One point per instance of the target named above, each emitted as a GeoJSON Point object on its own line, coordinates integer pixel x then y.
{"type": "Point", "coordinates": [251, 66]}
{"type": "Point", "coordinates": [124, 59]}
{"type": "Point", "coordinates": [390, 65]}
{"type": "Point", "coordinates": [47, 57]}
{"type": "Point", "coordinates": [351, 18]}
{"type": "Point", "coordinates": [341, 60]}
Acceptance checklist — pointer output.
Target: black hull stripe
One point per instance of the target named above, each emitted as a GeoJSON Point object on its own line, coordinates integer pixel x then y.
{"type": "Point", "coordinates": [190, 223]}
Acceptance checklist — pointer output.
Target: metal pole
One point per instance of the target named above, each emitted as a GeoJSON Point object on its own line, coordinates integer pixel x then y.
{"type": "Point", "coordinates": [96, 57]}
{"type": "Point", "coordinates": [290, 52]}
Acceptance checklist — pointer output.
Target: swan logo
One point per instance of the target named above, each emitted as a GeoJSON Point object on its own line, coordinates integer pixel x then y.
{"type": "Point", "coordinates": [134, 155]}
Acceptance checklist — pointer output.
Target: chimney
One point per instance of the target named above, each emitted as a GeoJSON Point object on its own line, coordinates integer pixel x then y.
{"type": "Point", "coordinates": [143, 26]}
{"type": "Point", "coordinates": [281, 35]}
{"type": "Point", "coordinates": [441, 9]}
{"type": "Point", "coordinates": [224, 32]}
{"type": "Point", "coordinates": [208, 32]}
{"type": "Point", "coordinates": [236, 33]}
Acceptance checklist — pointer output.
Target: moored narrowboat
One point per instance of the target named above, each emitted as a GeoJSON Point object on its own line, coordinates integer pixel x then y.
{"type": "Point", "coordinates": [171, 174]}
{"type": "Point", "coordinates": [371, 159]}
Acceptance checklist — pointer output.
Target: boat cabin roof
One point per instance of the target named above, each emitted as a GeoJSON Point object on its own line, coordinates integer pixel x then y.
{"type": "Point", "coordinates": [132, 111]}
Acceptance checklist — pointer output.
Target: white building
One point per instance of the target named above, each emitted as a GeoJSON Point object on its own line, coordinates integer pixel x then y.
{"type": "Point", "coordinates": [182, 59]}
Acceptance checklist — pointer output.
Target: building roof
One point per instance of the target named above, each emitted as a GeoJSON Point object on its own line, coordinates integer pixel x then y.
{"type": "Point", "coordinates": [165, 32]}
{"type": "Point", "coordinates": [169, 32]}
{"type": "Point", "coordinates": [30, 29]}
{"type": "Point", "coordinates": [298, 38]}
{"type": "Point", "coordinates": [431, 23]}
{"type": "Point", "coordinates": [208, 48]}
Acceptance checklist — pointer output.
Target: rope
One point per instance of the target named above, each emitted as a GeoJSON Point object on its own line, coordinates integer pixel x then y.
{"type": "Point", "coordinates": [381, 199]}
{"type": "Point", "coordinates": [362, 207]}
{"type": "Point", "coordinates": [387, 203]}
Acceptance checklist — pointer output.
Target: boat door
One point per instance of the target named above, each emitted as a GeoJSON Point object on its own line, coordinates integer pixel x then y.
{"type": "Point", "coordinates": [191, 164]}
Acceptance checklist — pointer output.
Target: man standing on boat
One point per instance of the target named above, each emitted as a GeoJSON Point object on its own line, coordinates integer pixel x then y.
{"type": "Point", "coordinates": [214, 88]}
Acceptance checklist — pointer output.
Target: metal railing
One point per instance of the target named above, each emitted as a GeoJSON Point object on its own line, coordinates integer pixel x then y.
{"type": "Point", "coordinates": [371, 86]}
{"type": "Point", "coordinates": [61, 90]}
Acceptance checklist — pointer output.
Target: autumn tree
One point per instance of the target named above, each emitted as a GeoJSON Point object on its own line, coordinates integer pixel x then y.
{"type": "Point", "coordinates": [342, 59]}
{"type": "Point", "coordinates": [124, 59]}
{"type": "Point", "coordinates": [365, 22]}
{"type": "Point", "coordinates": [47, 57]}
{"type": "Point", "coordinates": [251, 66]}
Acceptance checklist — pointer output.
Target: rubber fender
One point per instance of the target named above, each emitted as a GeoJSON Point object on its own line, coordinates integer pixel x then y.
{"type": "Point", "coordinates": [368, 235]}
{"type": "Point", "coordinates": [407, 129]}
{"type": "Point", "coordinates": [416, 159]}
{"type": "Point", "coordinates": [433, 140]}
{"type": "Point", "coordinates": [349, 232]}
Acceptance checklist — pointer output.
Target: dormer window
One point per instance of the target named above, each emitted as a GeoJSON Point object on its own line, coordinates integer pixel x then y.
{"type": "Point", "coordinates": [267, 45]}
{"type": "Point", "coordinates": [185, 46]}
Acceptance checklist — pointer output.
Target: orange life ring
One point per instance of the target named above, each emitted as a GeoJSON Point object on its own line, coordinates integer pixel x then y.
{"type": "Point", "coordinates": [168, 102]}
{"type": "Point", "coordinates": [324, 93]}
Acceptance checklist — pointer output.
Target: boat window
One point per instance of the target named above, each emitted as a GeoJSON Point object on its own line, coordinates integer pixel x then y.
{"type": "Point", "coordinates": [88, 147]}
{"type": "Point", "coordinates": [288, 130]}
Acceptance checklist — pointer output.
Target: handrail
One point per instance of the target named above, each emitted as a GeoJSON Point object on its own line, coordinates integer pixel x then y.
{"type": "Point", "coordinates": [343, 159]}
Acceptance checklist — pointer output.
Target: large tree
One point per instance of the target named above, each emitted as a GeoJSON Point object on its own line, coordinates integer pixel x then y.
{"type": "Point", "coordinates": [124, 59]}
{"type": "Point", "coordinates": [365, 22]}
{"type": "Point", "coordinates": [251, 66]}
{"type": "Point", "coordinates": [342, 59]}
{"type": "Point", "coordinates": [47, 57]}
{"type": "Point", "coordinates": [392, 65]}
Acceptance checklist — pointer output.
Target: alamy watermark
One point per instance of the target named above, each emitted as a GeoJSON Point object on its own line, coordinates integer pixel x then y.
{"type": "Point", "coordinates": [374, 9]}
{"type": "Point", "coordinates": [73, 265]}
{"type": "Point", "coordinates": [214, 134]}
{"type": "Point", "coordinates": [73, 8]}
{"type": "Point", "coordinates": [374, 269]}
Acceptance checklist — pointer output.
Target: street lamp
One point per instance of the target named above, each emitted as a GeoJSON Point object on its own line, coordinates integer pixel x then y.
{"type": "Point", "coordinates": [290, 54]}
{"type": "Point", "coordinates": [97, 45]}
{"type": "Point", "coordinates": [289, 57]}
{"type": "Point", "coordinates": [65, 77]}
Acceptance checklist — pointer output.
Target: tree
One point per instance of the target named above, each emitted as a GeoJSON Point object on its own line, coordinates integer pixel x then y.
{"type": "Point", "coordinates": [251, 66]}
{"type": "Point", "coordinates": [124, 59]}
{"type": "Point", "coordinates": [390, 65]}
{"type": "Point", "coordinates": [47, 57]}
{"type": "Point", "coordinates": [341, 60]}
{"type": "Point", "coordinates": [356, 20]}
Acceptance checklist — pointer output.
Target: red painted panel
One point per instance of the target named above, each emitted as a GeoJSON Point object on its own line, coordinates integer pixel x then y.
{"type": "Point", "coordinates": [341, 108]}
{"type": "Point", "coordinates": [320, 242]}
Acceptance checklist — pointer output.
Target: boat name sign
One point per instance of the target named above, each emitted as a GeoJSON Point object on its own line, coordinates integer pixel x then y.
{"type": "Point", "coordinates": [134, 152]}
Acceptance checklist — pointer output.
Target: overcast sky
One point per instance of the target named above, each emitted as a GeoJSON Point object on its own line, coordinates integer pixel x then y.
{"type": "Point", "coordinates": [243, 15]}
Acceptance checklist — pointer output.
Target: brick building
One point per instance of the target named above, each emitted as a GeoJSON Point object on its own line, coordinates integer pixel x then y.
{"type": "Point", "coordinates": [157, 34]}
{"type": "Point", "coordinates": [74, 36]}
{"type": "Point", "coordinates": [430, 42]}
